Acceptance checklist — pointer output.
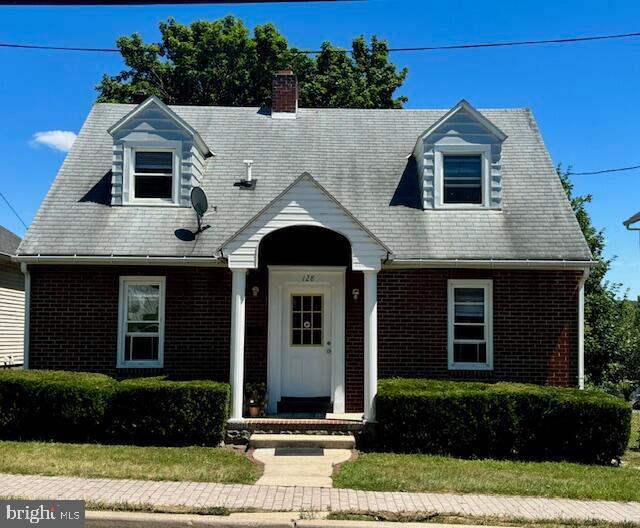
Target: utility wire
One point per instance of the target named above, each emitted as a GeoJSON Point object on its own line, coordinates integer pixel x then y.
{"type": "Point", "coordinates": [391, 50]}
{"type": "Point", "coordinates": [12, 209]}
{"type": "Point", "coordinates": [604, 171]}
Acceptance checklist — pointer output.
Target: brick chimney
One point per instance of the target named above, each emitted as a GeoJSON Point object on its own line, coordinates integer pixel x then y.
{"type": "Point", "coordinates": [285, 95]}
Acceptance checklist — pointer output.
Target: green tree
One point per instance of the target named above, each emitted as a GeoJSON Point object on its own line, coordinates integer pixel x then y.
{"type": "Point", "coordinates": [612, 322]}
{"type": "Point", "coordinates": [221, 63]}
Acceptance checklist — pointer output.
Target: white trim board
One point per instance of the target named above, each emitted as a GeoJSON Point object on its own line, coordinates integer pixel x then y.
{"type": "Point", "coordinates": [281, 277]}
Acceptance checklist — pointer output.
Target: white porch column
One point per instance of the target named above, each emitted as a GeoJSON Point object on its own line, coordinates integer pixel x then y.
{"type": "Point", "coordinates": [370, 343]}
{"type": "Point", "coordinates": [236, 377]}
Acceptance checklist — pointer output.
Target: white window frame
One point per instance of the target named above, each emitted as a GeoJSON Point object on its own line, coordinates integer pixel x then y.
{"type": "Point", "coordinates": [484, 151]}
{"type": "Point", "coordinates": [487, 286]}
{"type": "Point", "coordinates": [125, 281]}
{"type": "Point", "coordinates": [130, 149]}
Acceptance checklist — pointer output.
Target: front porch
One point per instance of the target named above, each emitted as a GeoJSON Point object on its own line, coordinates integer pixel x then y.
{"type": "Point", "coordinates": [313, 270]}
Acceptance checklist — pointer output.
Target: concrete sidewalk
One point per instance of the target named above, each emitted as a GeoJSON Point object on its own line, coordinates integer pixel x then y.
{"type": "Point", "coordinates": [280, 498]}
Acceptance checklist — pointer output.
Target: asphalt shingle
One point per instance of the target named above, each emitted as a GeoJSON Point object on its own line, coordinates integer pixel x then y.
{"type": "Point", "coordinates": [359, 156]}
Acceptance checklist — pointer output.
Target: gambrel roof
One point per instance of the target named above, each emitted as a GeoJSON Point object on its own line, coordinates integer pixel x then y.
{"type": "Point", "coordinates": [363, 158]}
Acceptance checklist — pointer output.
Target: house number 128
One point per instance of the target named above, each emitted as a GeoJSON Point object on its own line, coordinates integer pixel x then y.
{"type": "Point", "coordinates": [308, 278]}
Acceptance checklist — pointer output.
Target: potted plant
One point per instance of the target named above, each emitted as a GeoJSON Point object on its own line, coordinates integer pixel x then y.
{"type": "Point", "coordinates": [255, 398]}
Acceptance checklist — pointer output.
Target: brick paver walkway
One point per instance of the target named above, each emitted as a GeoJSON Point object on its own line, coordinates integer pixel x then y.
{"type": "Point", "coordinates": [279, 498]}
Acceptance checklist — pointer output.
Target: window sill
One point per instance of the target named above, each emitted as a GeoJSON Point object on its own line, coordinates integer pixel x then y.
{"type": "Point", "coordinates": [140, 365]}
{"type": "Point", "coordinates": [152, 204]}
{"type": "Point", "coordinates": [470, 366]}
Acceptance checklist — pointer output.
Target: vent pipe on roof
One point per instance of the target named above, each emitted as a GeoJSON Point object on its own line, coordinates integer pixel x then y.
{"type": "Point", "coordinates": [247, 182]}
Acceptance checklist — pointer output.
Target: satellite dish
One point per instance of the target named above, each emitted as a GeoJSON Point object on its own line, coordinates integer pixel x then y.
{"type": "Point", "coordinates": [199, 201]}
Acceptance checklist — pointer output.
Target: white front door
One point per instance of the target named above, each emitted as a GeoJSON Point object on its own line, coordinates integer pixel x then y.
{"type": "Point", "coordinates": [306, 334]}
{"type": "Point", "coordinates": [306, 367]}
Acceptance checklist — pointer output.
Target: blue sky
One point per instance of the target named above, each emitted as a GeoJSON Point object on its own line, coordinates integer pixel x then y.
{"type": "Point", "coordinates": [584, 96]}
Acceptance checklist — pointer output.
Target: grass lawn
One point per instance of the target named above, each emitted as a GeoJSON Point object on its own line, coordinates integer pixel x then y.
{"type": "Point", "coordinates": [392, 472]}
{"type": "Point", "coordinates": [202, 464]}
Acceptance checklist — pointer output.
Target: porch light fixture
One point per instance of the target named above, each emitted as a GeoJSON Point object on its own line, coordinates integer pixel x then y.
{"type": "Point", "coordinates": [356, 293]}
{"type": "Point", "coordinates": [255, 291]}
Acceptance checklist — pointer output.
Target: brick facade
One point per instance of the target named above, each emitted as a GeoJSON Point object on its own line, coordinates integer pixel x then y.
{"type": "Point", "coordinates": [74, 311]}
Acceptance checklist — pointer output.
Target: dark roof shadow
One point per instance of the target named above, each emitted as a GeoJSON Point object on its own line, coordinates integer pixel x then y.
{"type": "Point", "coordinates": [100, 193]}
{"type": "Point", "coordinates": [408, 190]}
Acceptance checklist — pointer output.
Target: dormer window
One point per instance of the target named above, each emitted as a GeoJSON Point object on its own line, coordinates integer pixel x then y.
{"type": "Point", "coordinates": [462, 176]}
{"type": "Point", "coordinates": [460, 161]}
{"type": "Point", "coordinates": [157, 157]}
{"type": "Point", "coordinates": [153, 174]}
{"type": "Point", "coordinates": [462, 179]}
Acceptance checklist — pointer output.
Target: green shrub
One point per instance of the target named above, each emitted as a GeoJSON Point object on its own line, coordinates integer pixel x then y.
{"type": "Point", "coordinates": [155, 411]}
{"type": "Point", "coordinates": [470, 419]}
{"type": "Point", "coordinates": [53, 405]}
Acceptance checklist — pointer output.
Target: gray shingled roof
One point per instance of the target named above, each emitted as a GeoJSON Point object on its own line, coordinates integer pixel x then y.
{"type": "Point", "coordinates": [359, 156]}
{"type": "Point", "coordinates": [8, 242]}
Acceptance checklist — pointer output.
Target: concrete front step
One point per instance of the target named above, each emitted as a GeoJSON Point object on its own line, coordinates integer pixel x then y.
{"type": "Point", "coordinates": [262, 441]}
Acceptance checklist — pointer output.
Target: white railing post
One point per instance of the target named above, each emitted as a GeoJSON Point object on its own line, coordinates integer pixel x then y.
{"type": "Point", "coordinates": [236, 376]}
{"type": "Point", "coordinates": [370, 343]}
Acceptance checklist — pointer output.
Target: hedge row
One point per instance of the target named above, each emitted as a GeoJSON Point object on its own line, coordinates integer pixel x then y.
{"type": "Point", "coordinates": [81, 407]}
{"type": "Point", "coordinates": [502, 420]}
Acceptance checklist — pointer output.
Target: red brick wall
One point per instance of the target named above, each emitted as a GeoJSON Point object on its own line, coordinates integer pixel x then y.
{"type": "Point", "coordinates": [74, 319]}
{"type": "Point", "coordinates": [74, 312]}
{"type": "Point", "coordinates": [535, 325]}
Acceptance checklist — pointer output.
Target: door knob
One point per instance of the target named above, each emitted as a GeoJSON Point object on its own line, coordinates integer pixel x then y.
{"type": "Point", "coordinates": [328, 350]}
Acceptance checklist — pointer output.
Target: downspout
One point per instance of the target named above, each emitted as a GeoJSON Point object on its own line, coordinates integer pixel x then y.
{"type": "Point", "coordinates": [585, 275]}
{"type": "Point", "coordinates": [27, 313]}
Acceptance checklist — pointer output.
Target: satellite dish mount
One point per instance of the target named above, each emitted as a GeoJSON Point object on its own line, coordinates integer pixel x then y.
{"type": "Point", "coordinates": [200, 205]}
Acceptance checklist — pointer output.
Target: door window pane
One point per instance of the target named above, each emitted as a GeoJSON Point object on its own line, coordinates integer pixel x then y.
{"type": "Point", "coordinates": [462, 179]}
{"type": "Point", "coordinates": [306, 320]}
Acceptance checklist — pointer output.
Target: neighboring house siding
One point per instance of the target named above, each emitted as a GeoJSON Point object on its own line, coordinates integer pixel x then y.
{"type": "Point", "coordinates": [74, 323]}
{"type": "Point", "coordinates": [11, 314]}
{"type": "Point", "coordinates": [74, 319]}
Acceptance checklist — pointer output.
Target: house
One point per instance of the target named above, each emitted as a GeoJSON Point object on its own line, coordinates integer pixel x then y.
{"type": "Point", "coordinates": [633, 223]}
{"type": "Point", "coordinates": [344, 246]}
{"type": "Point", "coordinates": [11, 302]}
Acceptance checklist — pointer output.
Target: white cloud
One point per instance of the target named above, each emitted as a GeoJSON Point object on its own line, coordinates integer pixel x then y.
{"type": "Point", "coordinates": [61, 140]}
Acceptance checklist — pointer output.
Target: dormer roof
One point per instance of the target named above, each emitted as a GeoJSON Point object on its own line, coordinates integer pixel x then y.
{"type": "Point", "coordinates": [464, 106]}
{"type": "Point", "coordinates": [154, 101]}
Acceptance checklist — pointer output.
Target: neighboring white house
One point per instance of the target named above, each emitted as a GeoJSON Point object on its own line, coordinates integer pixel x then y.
{"type": "Point", "coordinates": [11, 302]}
{"type": "Point", "coordinates": [633, 223]}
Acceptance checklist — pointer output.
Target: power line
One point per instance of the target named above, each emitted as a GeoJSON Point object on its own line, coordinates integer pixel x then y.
{"type": "Point", "coordinates": [604, 171]}
{"type": "Point", "coordinates": [391, 50]}
{"type": "Point", "coordinates": [12, 209]}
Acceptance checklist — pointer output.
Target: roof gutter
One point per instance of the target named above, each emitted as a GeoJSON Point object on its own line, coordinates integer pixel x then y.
{"type": "Point", "coordinates": [492, 264]}
{"type": "Point", "coordinates": [114, 259]}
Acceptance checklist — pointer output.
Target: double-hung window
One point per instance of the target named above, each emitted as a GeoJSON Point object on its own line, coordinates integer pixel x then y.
{"type": "Point", "coordinates": [153, 174]}
{"type": "Point", "coordinates": [462, 179]}
{"type": "Point", "coordinates": [470, 325]}
{"type": "Point", "coordinates": [141, 324]}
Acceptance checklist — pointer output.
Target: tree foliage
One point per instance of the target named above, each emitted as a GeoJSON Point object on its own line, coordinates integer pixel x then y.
{"type": "Point", "coordinates": [221, 63]}
{"type": "Point", "coordinates": [612, 322]}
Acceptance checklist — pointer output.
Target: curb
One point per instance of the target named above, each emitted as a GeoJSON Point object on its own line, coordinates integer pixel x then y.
{"type": "Point", "coordinates": [109, 519]}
